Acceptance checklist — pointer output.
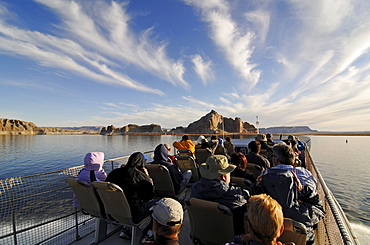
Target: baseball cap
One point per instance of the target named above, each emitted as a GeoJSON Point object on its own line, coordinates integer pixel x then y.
{"type": "Point", "coordinates": [215, 166]}
{"type": "Point", "coordinates": [168, 212]}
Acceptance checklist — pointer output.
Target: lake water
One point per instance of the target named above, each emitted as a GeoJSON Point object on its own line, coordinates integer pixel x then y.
{"type": "Point", "coordinates": [344, 166]}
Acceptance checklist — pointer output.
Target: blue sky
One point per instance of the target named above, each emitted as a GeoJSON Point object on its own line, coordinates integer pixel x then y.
{"type": "Point", "coordinates": [169, 62]}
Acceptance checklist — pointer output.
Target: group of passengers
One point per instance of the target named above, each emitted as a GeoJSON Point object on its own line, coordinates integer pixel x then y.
{"type": "Point", "coordinates": [296, 199]}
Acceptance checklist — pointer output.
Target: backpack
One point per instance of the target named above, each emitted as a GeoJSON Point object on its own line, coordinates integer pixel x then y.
{"type": "Point", "coordinates": [280, 185]}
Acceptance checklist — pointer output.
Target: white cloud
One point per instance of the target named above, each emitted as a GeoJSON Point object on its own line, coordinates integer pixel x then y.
{"type": "Point", "coordinates": [235, 43]}
{"type": "Point", "coordinates": [203, 68]}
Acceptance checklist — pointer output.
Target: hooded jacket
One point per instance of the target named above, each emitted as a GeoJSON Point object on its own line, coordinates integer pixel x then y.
{"type": "Point", "coordinates": [160, 157]}
{"type": "Point", "coordinates": [93, 162]}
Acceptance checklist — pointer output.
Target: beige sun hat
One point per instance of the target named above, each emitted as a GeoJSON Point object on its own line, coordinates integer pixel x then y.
{"type": "Point", "coordinates": [215, 166]}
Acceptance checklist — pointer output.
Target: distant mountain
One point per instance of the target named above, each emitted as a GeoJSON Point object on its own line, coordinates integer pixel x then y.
{"type": "Point", "coordinates": [288, 130]}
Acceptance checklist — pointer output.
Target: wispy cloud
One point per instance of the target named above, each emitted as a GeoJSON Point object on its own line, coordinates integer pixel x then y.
{"type": "Point", "coordinates": [203, 68]}
{"type": "Point", "coordinates": [89, 51]}
{"type": "Point", "coordinates": [236, 43]}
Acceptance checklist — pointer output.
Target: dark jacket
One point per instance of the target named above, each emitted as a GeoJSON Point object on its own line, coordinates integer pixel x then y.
{"type": "Point", "coordinates": [160, 157]}
{"type": "Point", "coordinates": [258, 159]}
{"type": "Point", "coordinates": [135, 183]}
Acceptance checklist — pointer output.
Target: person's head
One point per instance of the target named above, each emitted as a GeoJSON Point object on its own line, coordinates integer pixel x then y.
{"type": "Point", "coordinates": [185, 137]}
{"type": "Point", "coordinates": [161, 153]}
{"type": "Point", "coordinates": [168, 147]}
{"type": "Point", "coordinates": [216, 167]}
{"type": "Point", "coordinates": [205, 144]}
{"type": "Point", "coordinates": [136, 160]}
{"type": "Point", "coordinates": [291, 137]}
{"type": "Point", "coordinates": [200, 138]}
{"type": "Point", "coordinates": [254, 146]}
{"type": "Point", "coordinates": [269, 136]}
{"type": "Point", "coordinates": [283, 154]}
{"type": "Point", "coordinates": [94, 161]}
{"type": "Point", "coordinates": [167, 218]}
{"type": "Point", "coordinates": [261, 137]}
{"type": "Point", "coordinates": [213, 137]}
{"type": "Point", "coordinates": [239, 160]}
{"type": "Point", "coordinates": [228, 139]}
{"type": "Point", "coordinates": [265, 218]}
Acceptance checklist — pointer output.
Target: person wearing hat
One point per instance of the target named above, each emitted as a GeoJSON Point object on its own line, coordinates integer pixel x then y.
{"type": "Point", "coordinates": [214, 186]}
{"type": "Point", "coordinates": [266, 150]}
{"type": "Point", "coordinates": [269, 137]}
{"type": "Point", "coordinates": [167, 221]}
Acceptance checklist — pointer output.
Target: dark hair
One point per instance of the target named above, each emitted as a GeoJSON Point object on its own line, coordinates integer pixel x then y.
{"type": "Point", "coordinates": [213, 137]}
{"type": "Point", "coordinates": [254, 146]}
{"type": "Point", "coordinates": [228, 138]}
{"type": "Point", "coordinates": [239, 160]}
{"type": "Point", "coordinates": [185, 137]}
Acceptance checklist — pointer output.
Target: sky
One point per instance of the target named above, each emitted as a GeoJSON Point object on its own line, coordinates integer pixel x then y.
{"type": "Point", "coordinates": [67, 63]}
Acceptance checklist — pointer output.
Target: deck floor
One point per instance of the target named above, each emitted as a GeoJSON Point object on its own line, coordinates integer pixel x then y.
{"type": "Point", "coordinates": [115, 240]}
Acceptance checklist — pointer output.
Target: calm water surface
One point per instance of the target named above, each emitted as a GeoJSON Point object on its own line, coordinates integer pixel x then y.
{"type": "Point", "coordinates": [344, 166]}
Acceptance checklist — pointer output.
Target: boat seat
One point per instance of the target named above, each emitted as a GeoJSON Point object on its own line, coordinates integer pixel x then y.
{"type": "Point", "coordinates": [202, 155]}
{"type": "Point", "coordinates": [118, 210]}
{"type": "Point", "coordinates": [210, 222]}
{"type": "Point", "coordinates": [184, 153]}
{"type": "Point", "coordinates": [294, 231]}
{"type": "Point", "coordinates": [188, 163]}
{"type": "Point", "coordinates": [163, 184]}
{"type": "Point", "coordinates": [255, 169]}
{"type": "Point", "coordinates": [90, 203]}
{"type": "Point", "coordinates": [241, 182]}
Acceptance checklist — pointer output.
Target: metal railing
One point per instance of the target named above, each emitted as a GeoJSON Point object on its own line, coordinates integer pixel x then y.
{"type": "Point", "coordinates": [38, 209]}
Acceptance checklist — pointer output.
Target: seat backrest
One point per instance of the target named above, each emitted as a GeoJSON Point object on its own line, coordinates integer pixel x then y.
{"type": "Point", "coordinates": [87, 197]}
{"type": "Point", "coordinates": [185, 153]}
{"type": "Point", "coordinates": [188, 163]}
{"type": "Point", "coordinates": [255, 169]}
{"type": "Point", "coordinates": [210, 222]}
{"type": "Point", "coordinates": [220, 150]}
{"type": "Point", "coordinates": [162, 180]}
{"type": "Point", "coordinates": [294, 231]}
{"type": "Point", "coordinates": [202, 155]}
{"type": "Point", "coordinates": [116, 206]}
{"type": "Point", "coordinates": [241, 182]}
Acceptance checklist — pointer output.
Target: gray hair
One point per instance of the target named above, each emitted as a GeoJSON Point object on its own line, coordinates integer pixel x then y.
{"type": "Point", "coordinates": [284, 153]}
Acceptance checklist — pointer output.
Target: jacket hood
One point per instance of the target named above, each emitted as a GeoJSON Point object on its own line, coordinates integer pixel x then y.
{"type": "Point", "coordinates": [136, 160]}
{"type": "Point", "coordinates": [160, 153]}
{"type": "Point", "coordinates": [94, 161]}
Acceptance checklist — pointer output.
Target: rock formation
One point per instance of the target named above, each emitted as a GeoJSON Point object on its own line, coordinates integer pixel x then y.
{"type": "Point", "coordinates": [132, 129]}
{"type": "Point", "coordinates": [14, 127]}
{"type": "Point", "coordinates": [214, 123]}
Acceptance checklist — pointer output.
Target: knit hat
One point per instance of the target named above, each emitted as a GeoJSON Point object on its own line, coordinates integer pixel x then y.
{"type": "Point", "coordinates": [215, 166]}
{"type": "Point", "coordinates": [168, 212]}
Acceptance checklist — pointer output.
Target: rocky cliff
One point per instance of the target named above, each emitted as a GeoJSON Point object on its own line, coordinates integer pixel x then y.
{"type": "Point", "coordinates": [214, 123]}
{"type": "Point", "coordinates": [132, 129]}
{"type": "Point", "coordinates": [14, 127]}
{"type": "Point", "coordinates": [19, 127]}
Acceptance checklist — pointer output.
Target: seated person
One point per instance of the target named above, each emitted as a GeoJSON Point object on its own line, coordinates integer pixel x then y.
{"type": "Point", "coordinates": [298, 199]}
{"type": "Point", "coordinates": [179, 179]}
{"type": "Point", "coordinates": [253, 156]}
{"type": "Point", "coordinates": [93, 170]}
{"type": "Point", "coordinates": [199, 141]}
{"type": "Point", "coordinates": [241, 163]}
{"type": "Point", "coordinates": [269, 140]}
{"type": "Point", "coordinates": [185, 144]}
{"type": "Point", "coordinates": [213, 143]}
{"type": "Point", "coordinates": [265, 222]}
{"type": "Point", "coordinates": [214, 186]}
{"type": "Point", "coordinates": [134, 180]}
{"type": "Point", "coordinates": [265, 148]}
{"type": "Point", "coordinates": [167, 221]}
{"type": "Point", "coordinates": [229, 146]}
{"type": "Point", "coordinates": [283, 159]}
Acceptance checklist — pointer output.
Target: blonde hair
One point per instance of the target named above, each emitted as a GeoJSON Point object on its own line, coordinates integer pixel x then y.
{"type": "Point", "coordinates": [265, 217]}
